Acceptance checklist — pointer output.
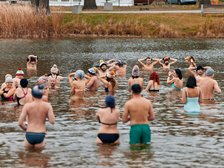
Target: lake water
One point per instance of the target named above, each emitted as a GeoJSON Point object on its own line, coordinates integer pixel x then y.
{"type": "Point", "coordinates": [178, 140]}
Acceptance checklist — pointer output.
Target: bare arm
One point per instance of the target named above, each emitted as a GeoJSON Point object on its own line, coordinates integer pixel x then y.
{"type": "Point", "coordinates": [155, 61]}
{"type": "Point", "coordinates": [173, 61]}
{"type": "Point", "coordinates": [22, 118]}
{"type": "Point", "coordinates": [151, 116]}
{"type": "Point", "coordinates": [148, 86]}
{"type": "Point", "coordinates": [50, 115]}
{"type": "Point", "coordinates": [160, 62]}
{"type": "Point", "coordinates": [10, 93]}
{"type": "Point", "coordinates": [90, 83]}
{"type": "Point", "coordinates": [191, 70]}
{"type": "Point", "coordinates": [129, 85]}
{"type": "Point", "coordinates": [14, 95]}
{"type": "Point", "coordinates": [169, 81]}
{"type": "Point", "coordinates": [104, 81]}
{"type": "Point", "coordinates": [140, 61]}
{"type": "Point", "coordinates": [70, 79]}
{"type": "Point", "coordinates": [217, 88]}
{"type": "Point", "coordinates": [125, 116]}
{"type": "Point", "coordinates": [184, 96]}
{"type": "Point", "coordinates": [200, 97]}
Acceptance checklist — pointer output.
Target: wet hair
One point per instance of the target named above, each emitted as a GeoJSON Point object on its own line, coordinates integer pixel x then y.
{"type": "Point", "coordinates": [155, 77]}
{"type": "Point", "coordinates": [120, 63]}
{"type": "Point", "coordinates": [136, 89]}
{"type": "Point", "coordinates": [191, 57]}
{"type": "Point", "coordinates": [110, 101]}
{"type": "Point", "coordinates": [148, 58]}
{"type": "Point", "coordinates": [191, 82]}
{"type": "Point", "coordinates": [38, 91]}
{"type": "Point", "coordinates": [199, 67]}
{"type": "Point", "coordinates": [179, 73]}
{"type": "Point", "coordinates": [23, 83]}
{"type": "Point", "coordinates": [112, 81]}
{"type": "Point", "coordinates": [166, 58]}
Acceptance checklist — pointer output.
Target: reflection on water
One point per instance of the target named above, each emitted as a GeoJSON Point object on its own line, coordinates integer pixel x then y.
{"type": "Point", "coordinates": [178, 139]}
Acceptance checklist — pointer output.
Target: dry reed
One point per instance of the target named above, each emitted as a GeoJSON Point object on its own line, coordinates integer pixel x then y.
{"type": "Point", "coordinates": [19, 21]}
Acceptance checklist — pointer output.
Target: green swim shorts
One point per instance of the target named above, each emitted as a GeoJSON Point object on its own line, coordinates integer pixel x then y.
{"type": "Point", "coordinates": [140, 134]}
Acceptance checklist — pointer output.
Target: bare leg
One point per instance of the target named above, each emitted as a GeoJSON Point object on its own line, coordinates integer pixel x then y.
{"type": "Point", "coordinates": [98, 141]}
{"type": "Point", "coordinates": [39, 146]}
{"type": "Point", "coordinates": [27, 145]}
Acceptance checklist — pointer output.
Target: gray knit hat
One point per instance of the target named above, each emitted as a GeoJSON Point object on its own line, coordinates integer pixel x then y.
{"type": "Point", "coordinates": [209, 72]}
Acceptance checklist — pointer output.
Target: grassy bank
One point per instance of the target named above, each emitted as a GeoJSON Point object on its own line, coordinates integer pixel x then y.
{"type": "Point", "coordinates": [22, 22]}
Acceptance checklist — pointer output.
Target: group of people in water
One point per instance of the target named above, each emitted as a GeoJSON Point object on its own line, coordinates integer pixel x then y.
{"type": "Point", "coordinates": [200, 86]}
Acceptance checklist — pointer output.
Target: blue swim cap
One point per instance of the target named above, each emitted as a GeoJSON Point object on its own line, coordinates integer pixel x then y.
{"type": "Point", "coordinates": [38, 91]}
{"type": "Point", "coordinates": [110, 101]}
{"type": "Point", "coordinates": [92, 71]}
{"type": "Point", "coordinates": [80, 74]}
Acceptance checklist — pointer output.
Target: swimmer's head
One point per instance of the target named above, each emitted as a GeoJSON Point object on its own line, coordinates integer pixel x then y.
{"type": "Point", "coordinates": [148, 60]}
{"type": "Point", "coordinates": [55, 70]}
{"type": "Point", "coordinates": [191, 82]}
{"type": "Point", "coordinates": [103, 66]}
{"type": "Point", "coordinates": [8, 75]}
{"type": "Point", "coordinates": [91, 71]}
{"type": "Point", "coordinates": [120, 63]}
{"type": "Point", "coordinates": [178, 73]}
{"type": "Point", "coordinates": [8, 79]}
{"type": "Point", "coordinates": [154, 77]}
{"type": "Point", "coordinates": [200, 70]}
{"type": "Point", "coordinates": [23, 83]}
{"type": "Point", "coordinates": [32, 58]}
{"type": "Point", "coordinates": [209, 72]}
{"type": "Point", "coordinates": [110, 101]}
{"type": "Point", "coordinates": [38, 91]}
{"type": "Point", "coordinates": [43, 81]}
{"type": "Point", "coordinates": [166, 60]}
{"type": "Point", "coordinates": [190, 59]}
{"type": "Point", "coordinates": [80, 74]}
{"type": "Point", "coordinates": [19, 72]}
{"type": "Point", "coordinates": [136, 89]}
{"type": "Point", "coordinates": [135, 72]}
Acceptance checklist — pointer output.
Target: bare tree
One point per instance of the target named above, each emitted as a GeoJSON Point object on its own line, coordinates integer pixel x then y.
{"type": "Point", "coordinates": [89, 4]}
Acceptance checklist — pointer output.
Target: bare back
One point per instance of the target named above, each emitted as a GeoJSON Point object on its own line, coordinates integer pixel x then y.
{"type": "Point", "coordinates": [132, 81]}
{"type": "Point", "coordinates": [108, 118]}
{"type": "Point", "coordinates": [139, 110]}
{"type": "Point", "coordinates": [208, 86]}
{"type": "Point", "coordinates": [36, 113]}
{"type": "Point", "coordinates": [93, 83]}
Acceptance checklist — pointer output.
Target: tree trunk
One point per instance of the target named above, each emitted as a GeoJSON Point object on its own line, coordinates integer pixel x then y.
{"type": "Point", "coordinates": [44, 6]}
{"type": "Point", "coordinates": [41, 6]}
{"type": "Point", "coordinates": [89, 4]}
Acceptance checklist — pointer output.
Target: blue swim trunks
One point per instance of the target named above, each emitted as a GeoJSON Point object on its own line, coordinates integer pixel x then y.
{"type": "Point", "coordinates": [35, 137]}
{"type": "Point", "coordinates": [140, 134]}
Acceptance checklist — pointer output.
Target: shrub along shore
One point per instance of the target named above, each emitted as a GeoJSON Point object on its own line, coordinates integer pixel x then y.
{"type": "Point", "coordinates": [23, 22]}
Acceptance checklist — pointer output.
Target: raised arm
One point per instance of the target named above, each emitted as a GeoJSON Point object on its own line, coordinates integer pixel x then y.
{"type": "Point", "coordinates": [140, 61]}
{"type": "Point", "coordinates": [156, 60]}
{"type": "Point", "coordinates": [169, 80]}
{"type": "Point", "coordinates": [173, 61]}
{"type": "Point", "coordinates": [160, 62]}
{"type": "Point", "coordinates": [70, 78]}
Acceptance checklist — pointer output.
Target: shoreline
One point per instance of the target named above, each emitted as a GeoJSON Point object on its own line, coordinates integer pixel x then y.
{"type": "Point", "coordinates": [22, 22]}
